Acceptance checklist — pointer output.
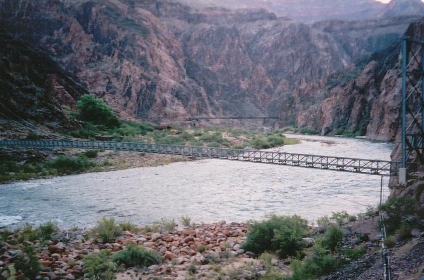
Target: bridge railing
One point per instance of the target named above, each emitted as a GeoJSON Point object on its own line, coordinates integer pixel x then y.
{"type": "Point", "coordinates": [367, 166]}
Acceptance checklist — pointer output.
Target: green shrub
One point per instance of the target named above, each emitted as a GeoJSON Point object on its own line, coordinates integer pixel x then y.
{"type": "Point", "coordinates": [389, 242]}
{"type": "Point", "coordinates": [68, 165]}
{"type": "Point", "coordinates": [353, 254]}
{"type": "Point", "coordinates": [5, 233]}
{"type": "Point", "coordinates": [333, 237]}
{"type": "Point", "coordinates": [276, 140]}
{"type": "Point", "coordinates": [318, 264]}
{"type": "Point", "coordinates": [137, 256]}
{"type": "Point", "coordinates": [46, 230]}
{"type": "Point", "coordinates": [186, 220]}
{"type": "Point", "coordinates": [32, 135]}
{"type": "Point", "coordinates": [99, 266]}
{"type": "Point", "coordinates": [397, 210]}
{"type": "Point", "coordinates": [259, 143]}
{"type": "Point", "coordinates": [340, 217]}
{"type": "Point", "coordinates": [28, 263]}
{"type": "Point", "coordinates": [201, 248]}
{"type": "Point", "coordinates": [129, 226]}
{"type": "Point", "coordinates": [95, 110]}
{"type": "Point", "coordinates": [213, 145]}
{"type": "Point", "coordinates": [91, 153]}
{"type": "Point", "coordinates": [192, 269]}
{"type": "Point", "coordinates": [267, 260]}
{"type": "Point", "coordinates": [107, 229]}
{"type": "Point", "coordinates": [167, 224]}
{"type": "Point", "coordinates": [280, 234]}
{"type": "Point", "coordinates": [324, 222]}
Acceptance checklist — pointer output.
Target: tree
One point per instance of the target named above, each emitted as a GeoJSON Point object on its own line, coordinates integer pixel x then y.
{"type": "Point", "coordinates": [95, 110]}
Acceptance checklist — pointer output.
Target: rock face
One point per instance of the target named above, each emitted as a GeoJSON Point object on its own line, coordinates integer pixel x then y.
{"type": "Point", "coordinates": [32, 90]}
{"type": "Point", "coordinates": [164, 62]}
{"type": "Point", "coordinates": [313, 11]}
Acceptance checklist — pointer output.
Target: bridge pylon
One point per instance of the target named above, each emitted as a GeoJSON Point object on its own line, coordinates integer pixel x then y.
{"type": "Point", "coordinates": [412, 105]}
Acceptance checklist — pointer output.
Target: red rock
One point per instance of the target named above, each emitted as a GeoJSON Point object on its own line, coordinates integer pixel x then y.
{"type": "Point", "coordinates": [55, 249]}
{"type": "Point", "coordinates": [168, 238]}
{"type": "Point", "coordinates": [169, 256]}
{"type": "Point", "coordinates": [187, 232]}
{"type": "Point", "coordinates": [188, 239]}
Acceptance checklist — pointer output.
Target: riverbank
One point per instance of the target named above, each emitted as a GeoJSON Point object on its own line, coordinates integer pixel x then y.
{"type": "Point", "coordinates": [207, 251]}
{"type": "Point", "coordinates": [22, 164]}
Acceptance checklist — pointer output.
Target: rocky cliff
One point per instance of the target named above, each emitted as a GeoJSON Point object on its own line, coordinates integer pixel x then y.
{"type": "Point", "coordinates": [313, 11]}
{"type": "Point", "coordinates": [164, 62]}
{"type": "Point", "coordinates": [33, 91]}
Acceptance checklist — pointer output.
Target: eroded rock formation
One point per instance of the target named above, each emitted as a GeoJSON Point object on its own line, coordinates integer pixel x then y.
{"type": "Point", "coordinates": [163, 62]}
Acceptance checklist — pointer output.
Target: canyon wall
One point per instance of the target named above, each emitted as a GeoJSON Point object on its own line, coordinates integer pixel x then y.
{"type": "Point", "coordinates": [164, 62]}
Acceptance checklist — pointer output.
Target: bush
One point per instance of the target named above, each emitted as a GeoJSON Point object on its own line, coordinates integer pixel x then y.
{"type": "Point", "coordinates": [280, 234]}
{"type": "Point", "coordinates": [259, 143]}
{"type": "Point", "coordinates": [167, 224]}
{"type": "Point", "coordinates": [276, 140]}
{"type": "Point", "coordinates": [127, 225]}
{"type": "Point", "coordinates": [99, 265]}
{"type": "Point", "coordinates": [340, 217]}
{"type": "Point", "coordinates": [186, 220]}
{"type": "Point", "coordinates": [46, 230]}
{"type": "Point", "coordinates": [137, 256]}
{"type": "Point", "coordinates": [107, 229]}
{"type": "Point", "coordinates": [397, 211]}
{"type": "Point", "coordinates": [96, 111]}
{"type": "Point", "coordinates": [355, 253]}
{"type": "Point", "coordinates": [28, 263]}
{"type": "Point", "coordinates": [67, 165]}
{"type": "Point", "coordinates": [318, 264]}
{"type": "Point", "coordinates": [333, 237]}
{"type": "Point", "coordinates": [91, 153]}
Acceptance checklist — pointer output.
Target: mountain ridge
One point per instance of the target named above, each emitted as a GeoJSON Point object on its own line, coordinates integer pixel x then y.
{"type": "Point", "coordinates": [310, 11]}
{"type": "Point", "coordinates": [164, 62]}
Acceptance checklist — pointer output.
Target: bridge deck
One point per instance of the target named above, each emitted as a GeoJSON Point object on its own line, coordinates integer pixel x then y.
{"type": "Point", "coordinates": [366, 166]}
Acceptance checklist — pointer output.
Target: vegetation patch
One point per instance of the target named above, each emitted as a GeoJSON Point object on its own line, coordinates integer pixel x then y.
{"type": "Point", "coordinates": [137, 256]}
{"type": "Point", "coordinates": [280, 234]}
{"type": "Point", "coordinates": [107, 229]}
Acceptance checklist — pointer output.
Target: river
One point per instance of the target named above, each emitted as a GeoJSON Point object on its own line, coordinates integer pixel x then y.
{"type": "Point", "coordinates": [206, 190]}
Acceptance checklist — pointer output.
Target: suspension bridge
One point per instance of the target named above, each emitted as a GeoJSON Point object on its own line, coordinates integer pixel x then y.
{"type": "Point", "coordinates": [344, 164]}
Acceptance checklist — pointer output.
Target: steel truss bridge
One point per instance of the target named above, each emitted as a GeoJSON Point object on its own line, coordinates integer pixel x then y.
{"type": "Point", "coordinates": [365, 166]}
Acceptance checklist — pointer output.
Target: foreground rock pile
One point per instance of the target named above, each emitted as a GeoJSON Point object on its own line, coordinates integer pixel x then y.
{"type": "Point", "coordinates": [205, 252]}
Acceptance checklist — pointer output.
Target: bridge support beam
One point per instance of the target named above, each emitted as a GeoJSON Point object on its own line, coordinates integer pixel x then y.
{"type": "Point", "coordinates": [402, 176]}
{"type": "Point", "coordinates": [412, 105]}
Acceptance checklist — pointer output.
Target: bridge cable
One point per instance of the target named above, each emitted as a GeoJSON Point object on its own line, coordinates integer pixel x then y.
{"type": "Point", "coordinates": [28, 125]}
{"type": "Point", "coordinates": [386, 262]}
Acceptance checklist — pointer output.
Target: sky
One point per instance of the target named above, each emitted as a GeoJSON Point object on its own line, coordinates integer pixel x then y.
{"type": "Point", "coordinates": [387, 1]}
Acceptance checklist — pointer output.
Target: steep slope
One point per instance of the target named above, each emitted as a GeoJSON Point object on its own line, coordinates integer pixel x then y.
{"type": "Point", "coordinates": [302, 10]}
{"type": "Point", "coordinates": [309, 11]}
{"type": "Point", "coordinates": [404, 7]}
{"type": "Point", "coordinates": [163, 62]}
{"type": "Point", "coordinates": [369, 104]}
{"type": "Point", "coordinates": [32, 91]}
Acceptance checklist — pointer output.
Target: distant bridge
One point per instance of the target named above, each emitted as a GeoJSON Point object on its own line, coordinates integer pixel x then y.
{"type": "Point", "coordinates": [365, 166]}
{"type": "Point", "coordinates": [232, 118]}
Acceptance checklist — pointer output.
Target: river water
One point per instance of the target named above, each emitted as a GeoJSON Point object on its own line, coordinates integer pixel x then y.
{"type": "Point", "coordinates": [206, 190]}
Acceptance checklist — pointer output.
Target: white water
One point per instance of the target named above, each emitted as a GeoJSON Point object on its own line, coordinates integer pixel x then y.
{"type": "Point", "coordinates": [206, 190]}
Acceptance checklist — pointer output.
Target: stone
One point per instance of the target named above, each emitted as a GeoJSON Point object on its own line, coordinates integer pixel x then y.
{"type": "Point", "coordinates": [153, 268]}
{"type": "Point", "coordinates": [169, 255]}
{"type": "Point", "coordinates": [155, 236]}
{"type": "Point", "coordinates": [5, 274]}
{"type": "Point", "coordinates": [179, 260]}
{"type": "Point", "coordinates": [188, 239]}
{"type": "Point", "coordinates": [70, 277]}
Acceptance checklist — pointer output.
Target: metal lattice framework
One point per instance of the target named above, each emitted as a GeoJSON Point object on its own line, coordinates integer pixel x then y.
{"type": "Point", "coordinates": [412, 102]}
{"type": "Point", "coordinates": [365, 166]}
